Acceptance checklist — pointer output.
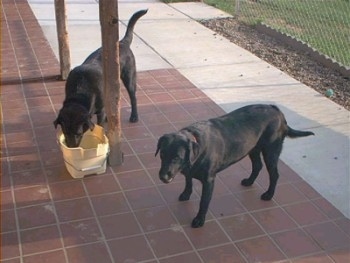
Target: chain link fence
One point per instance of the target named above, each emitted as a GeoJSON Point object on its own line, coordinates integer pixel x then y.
{"type": "Point", "coordinates": [322, 24]}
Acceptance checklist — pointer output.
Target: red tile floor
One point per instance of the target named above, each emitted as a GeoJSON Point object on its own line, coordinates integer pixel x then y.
{"type": "Point", "coordinates": [127, 214]}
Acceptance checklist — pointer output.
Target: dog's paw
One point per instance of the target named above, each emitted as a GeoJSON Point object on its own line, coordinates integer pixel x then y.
{"type": "Point", "coordinates": [184, 196]}
{"type": "Point", "coordinates": [133, 119]}
{"type": "Point", "coordinates": [246, 182]}
{"type": "Point", "coordinates": [266, 196]}
{"type": "Point", "coordinates": [198, 222]}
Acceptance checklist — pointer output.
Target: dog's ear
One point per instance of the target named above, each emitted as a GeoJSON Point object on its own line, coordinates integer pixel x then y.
{"type": "Point", "coordinates": [90, 124]}
{"type": "Point", "coordinates": [56, 122]}
{"type": "Point", "coordinates": [92, 105]}
{"type": "Point", "coordinates": [193, 150]}
{"type": "Point", "coordinates": [161, 141]}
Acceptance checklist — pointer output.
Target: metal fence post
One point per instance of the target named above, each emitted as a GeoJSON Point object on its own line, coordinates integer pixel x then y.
{"type": "Point", "coordinates": [237, 7]}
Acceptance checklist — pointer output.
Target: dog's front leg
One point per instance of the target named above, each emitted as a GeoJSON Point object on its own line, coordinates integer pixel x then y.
{"type": "Point", "coordinates": [101, 117]}
{"type": "Point", "coordinates": [207, 191]}
{"type": "Point", "coordinates": [185, 195]}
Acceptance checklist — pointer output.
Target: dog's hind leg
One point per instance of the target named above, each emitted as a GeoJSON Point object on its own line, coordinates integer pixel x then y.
{"type": "Point", "coordinates": [257, 165]}
{"type": "Point", "coordinates": [271, 154]}
{"type": "Point", "coordinates": [185, 195]}
{"type": "Point", "coordinates": [129, 81]}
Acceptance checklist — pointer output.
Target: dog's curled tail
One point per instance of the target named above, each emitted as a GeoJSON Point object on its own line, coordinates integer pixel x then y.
{"type": "Point", "coordinates": [130, 28]}
{"type": "Point", "coordinates": [291, 133]}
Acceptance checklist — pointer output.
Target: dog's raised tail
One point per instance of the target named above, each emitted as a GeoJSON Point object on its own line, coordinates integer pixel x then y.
{"type": "Point", "coordinates": [291, 133]}
{"type": "Point", "coordinates": [130, 28]}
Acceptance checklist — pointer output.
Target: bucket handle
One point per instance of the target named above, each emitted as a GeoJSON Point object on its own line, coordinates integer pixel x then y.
{"type": "Point", "coordinates": [88, 168]}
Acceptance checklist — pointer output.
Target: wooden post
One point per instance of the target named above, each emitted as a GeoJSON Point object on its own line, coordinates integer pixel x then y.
{"type": "Point", "coordinates": [62, 34]}
{"type": "Point", "coordinates": [111, 75]}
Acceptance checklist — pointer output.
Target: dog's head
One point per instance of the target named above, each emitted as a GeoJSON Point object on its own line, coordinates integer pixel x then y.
{"type": "Point", "coordinates": [74, 121]}
{"type": "Point", "coordinates": [177, 151]}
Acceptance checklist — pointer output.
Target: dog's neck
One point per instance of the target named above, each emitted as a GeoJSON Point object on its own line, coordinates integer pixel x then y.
{"type": "Point", "coordinates": [190, 135]}
{"type": "Point", "coordinates": [83, 101]}
{"type": "Point", "coordinates": [194, 138]}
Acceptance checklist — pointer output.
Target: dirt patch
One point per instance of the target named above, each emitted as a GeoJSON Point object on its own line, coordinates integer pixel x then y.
{"type": "Point", "coordinates": [295, 63]}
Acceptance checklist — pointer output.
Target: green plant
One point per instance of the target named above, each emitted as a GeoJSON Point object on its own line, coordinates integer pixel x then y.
{"type": "Point", "coordinates": [322, 24]}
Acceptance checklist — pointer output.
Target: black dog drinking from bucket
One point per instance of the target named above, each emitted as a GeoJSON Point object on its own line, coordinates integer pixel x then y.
{"type": "Point", "coordinates": [205, 148]}
{"type": "Point", "coordinates": [84, 90]}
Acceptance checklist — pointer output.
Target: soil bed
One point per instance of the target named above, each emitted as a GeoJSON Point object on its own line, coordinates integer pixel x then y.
{"type": "Point", "coordinates": [295, 63]}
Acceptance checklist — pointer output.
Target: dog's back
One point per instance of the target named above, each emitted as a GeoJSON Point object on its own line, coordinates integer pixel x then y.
{"type": "Point", "coordinates": [231, 137]}
{"type": "Point", "coordinates": [85, 78]}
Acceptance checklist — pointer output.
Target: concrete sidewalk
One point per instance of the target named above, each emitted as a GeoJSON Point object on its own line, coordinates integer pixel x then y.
{"type": "Point", "coordinates": [169, 37]}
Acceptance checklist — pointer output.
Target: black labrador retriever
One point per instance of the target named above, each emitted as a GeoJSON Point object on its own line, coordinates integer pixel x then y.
{"type": "Point", "coordinates": [207, 147]}
{"type": "Point", "coordinates": [84, 89]}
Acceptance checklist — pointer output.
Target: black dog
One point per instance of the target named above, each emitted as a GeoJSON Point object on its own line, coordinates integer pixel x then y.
{"type": "Point", "coordinates": [205, 148]}
{"type": "Point", "coordinates": [84, 89]}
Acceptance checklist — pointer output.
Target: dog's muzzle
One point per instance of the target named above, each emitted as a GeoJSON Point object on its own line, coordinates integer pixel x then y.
{"type": "Point", "coordinates": [73, 141]}
{"type": "Point", "coordinates": [166, 178]}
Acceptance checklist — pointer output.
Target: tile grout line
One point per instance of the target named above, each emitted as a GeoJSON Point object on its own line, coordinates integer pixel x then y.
{"type": "Point", "coordinates": [214, 218]}
{"type": "Point", "coordinates": [249, 212]}
{"type": "Point", "coordinates": [20, 248]}
{"type": "Point", "coordinates": [164, 201]}
{"type": "Point", "coordinates": [38, 151]}
{"type": "Point", "coordinates": [39, 64]}
{"type": "Point", "coordinates": [156, 186]}
{"type": "Point", "coordinates": [115, 176]}
{"type": "Point", "coordinates": [298, 226]}
{"type": "Point", "coordinates": [104, 240]}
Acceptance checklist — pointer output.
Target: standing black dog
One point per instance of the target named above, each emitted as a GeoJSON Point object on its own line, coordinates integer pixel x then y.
{"type": "Point", "coordinates": [84, 89]}
{"type": "Point", "coordinates": [205, 148]}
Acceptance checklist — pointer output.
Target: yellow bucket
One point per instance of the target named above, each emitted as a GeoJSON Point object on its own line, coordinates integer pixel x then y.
{"type": "Point", "coordinates": [91, 155]}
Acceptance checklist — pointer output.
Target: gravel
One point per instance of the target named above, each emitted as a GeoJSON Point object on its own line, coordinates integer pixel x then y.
{"type": "Point", "coordinates": [295, 63]}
